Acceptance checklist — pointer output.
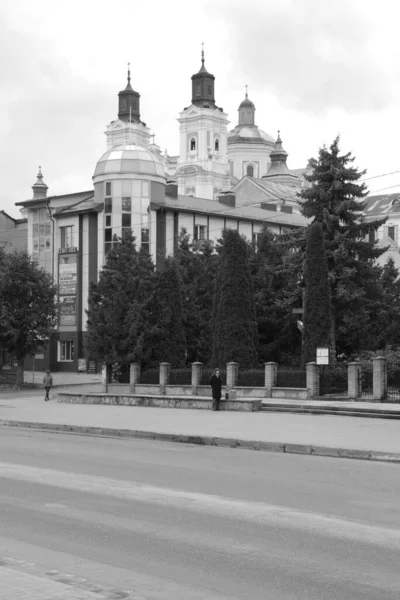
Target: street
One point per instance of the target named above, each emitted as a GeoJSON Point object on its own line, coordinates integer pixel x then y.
{"type": "Point", "coordinates": [108, 518]}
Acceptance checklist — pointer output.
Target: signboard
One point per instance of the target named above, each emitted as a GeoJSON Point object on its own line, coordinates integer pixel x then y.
{"type": "Point", "coordinates": [68, 310]}
{"type": "Point", "coordinates": [322, 356]}
{"type": "Point", "coordinates": [82, 365]}
{"type": "Point", "coordinates": [67, 277]}
{"type": "Point", "coordinates": [92, 366]}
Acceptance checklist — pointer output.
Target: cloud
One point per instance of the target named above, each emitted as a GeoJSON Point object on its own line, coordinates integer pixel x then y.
{"type": "Point", "coordinates": [314, 56]}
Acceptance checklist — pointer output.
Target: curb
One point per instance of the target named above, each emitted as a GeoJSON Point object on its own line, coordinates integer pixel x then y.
{"type": "Point", "coordinates": [340, 411]}
{"type": "Point", "coordinates": [388, 457]}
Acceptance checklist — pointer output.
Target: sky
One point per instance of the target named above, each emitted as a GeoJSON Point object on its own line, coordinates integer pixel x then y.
{"type": "Point", "coordinates": [314, 70]}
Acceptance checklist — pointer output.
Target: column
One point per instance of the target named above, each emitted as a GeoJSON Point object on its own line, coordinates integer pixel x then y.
{"type": "Point", "coordinates": [165, 369]}
{"type": "Point", "coordinates": [197, 372]}
{"type": "Point", "coordinates": [134, 376]}
{"type": "Point", "coordinates": [312, 377]}
{"type": "Point", "coordinates": [379, 378]}
{"type": "Point", "coordinates": [353, 380]}
{"type": "Point", "coordinates": [271, 377]}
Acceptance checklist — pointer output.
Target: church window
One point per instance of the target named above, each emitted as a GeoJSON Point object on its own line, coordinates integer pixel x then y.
{"type": "Point", "coordinates": [250, 171]}
{"type": "Point", "coordinates": [216, 145]}
{"type": "Point", "coordinates": [192, 144]}
{"type": "Point", "coordinates": [108, 188]}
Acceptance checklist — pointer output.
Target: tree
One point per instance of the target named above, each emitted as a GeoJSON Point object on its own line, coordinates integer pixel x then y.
{"type": "Point", "coordinates": [335, 200]}
{"type": "Point", "coordinates": [317, 304]}
{"type": "Point", "coordinates": [117, 321]}
{"type": "Point", "coordinates": [234, 314]}
{"type": "Point", "coordinates": [167, 334]}
{"type": "Point", "coordinates": [28, 308]}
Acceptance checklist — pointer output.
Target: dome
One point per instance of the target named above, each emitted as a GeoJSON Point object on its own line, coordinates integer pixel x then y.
{"type": "Point", "coordinates": [246, 103]}
{"type": "Point", "coordinates": [249, 132]}
{"type": "Point", "coordinates": [129, 158]}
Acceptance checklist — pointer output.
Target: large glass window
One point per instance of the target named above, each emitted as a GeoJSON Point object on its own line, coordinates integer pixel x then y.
{"type": "Point", "coordinates": [108, 205]}
{"type": "Point", "coordinates": [42, 238]}
{"type": "Point", "coordinates": [126, 220]}
{"type": "Point", "coordinates": [126, 204]}
{"type": "Point", "coordinates": [66, 236]}
{"type": "Point", "coordinates": [108, 188]}
{"type": "Point", "coordinates": [66, 351]}
{"type": "Point", "coordinates": [145, 239]}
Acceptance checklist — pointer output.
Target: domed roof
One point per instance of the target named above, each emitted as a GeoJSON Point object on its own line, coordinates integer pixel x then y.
{"type": "Point", "coordinates": [129, 158]}
{"type": "Point", "coordinates": [246, 103]}
{"type": "Point", "coordinates": [246, 132]}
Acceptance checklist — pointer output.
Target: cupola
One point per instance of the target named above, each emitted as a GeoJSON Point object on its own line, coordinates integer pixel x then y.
{"type": "Point", "coordinates": [246, 111]}
{"type": "Point", "coordinates": [203, 87]}
{"type": "Point", "coordinates": [278, 169]}
{"type": "Point", "coordinates": [39, 188]}
{"type": "Point", "coordinates": [129, 103]}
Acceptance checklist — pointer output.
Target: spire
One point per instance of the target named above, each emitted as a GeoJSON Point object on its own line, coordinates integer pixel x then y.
{"type": "Point", "coordinates": [278, 168]}
{"type": "Point", "coordinates": [247, 110]}
{"type": "Point", "coordinates": [129, 102]}
{"type": "Point", "coordinates": [246, 86]}
{"type": "Point", "coordinates": [39, 188]}
{"type": "Point", "coordinates": [203, 86]}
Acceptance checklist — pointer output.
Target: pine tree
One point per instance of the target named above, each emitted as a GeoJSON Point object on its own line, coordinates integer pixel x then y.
{"type": "Point", "coordinates": [28, 308]}
{"type": "Point", "coordinates": [335, 200]}
{"type": "Point", "coordinates": [117, 324]}
{"type": "Point", "coordinates": [166, 338]}
{"type": "Point", "coordinates": [234, 315]}
{"type": "Point", "coordinates": [317, 305]}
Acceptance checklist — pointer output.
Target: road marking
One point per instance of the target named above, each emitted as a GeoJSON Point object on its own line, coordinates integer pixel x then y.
{"type": "Point", "coordinates": [223, 507]}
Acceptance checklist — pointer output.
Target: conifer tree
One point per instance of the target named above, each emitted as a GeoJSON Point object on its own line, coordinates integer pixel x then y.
{"type": "Point", "coordinates": [317, 305]}
{"type": "Point", "coordinates": [234, 315]}
{"type": "Point", "coordinates": [116, 324]}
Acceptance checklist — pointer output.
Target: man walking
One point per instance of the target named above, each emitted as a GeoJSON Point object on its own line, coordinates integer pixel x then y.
{"type": "Point", "coordinates": [47, 382]}
{"type": "Point", "coordinates": [216, 386]}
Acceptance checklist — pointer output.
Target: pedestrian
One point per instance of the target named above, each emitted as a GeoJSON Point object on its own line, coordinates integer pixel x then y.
{"type": "Point", "coordinates": [47, 382]}
{"type": "Point", "coordinates": [216, 386]}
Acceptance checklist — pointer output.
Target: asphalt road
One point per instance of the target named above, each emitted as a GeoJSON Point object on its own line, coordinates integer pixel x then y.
{"type": "Point", "coordinates": [153, 520]}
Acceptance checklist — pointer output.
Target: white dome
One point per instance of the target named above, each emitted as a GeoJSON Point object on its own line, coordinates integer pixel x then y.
{"type": "Point", "coordinates": [249, 132]}
{"type": "Point", "coordinates": [129, 158]}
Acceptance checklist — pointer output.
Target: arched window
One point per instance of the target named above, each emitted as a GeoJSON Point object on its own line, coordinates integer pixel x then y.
{"type": "Point", "coordinates": [250, 170]}
{"type": "Point", "coordinates": [216, 145]}
{"type": "Point", "coordinates": [192, 144]}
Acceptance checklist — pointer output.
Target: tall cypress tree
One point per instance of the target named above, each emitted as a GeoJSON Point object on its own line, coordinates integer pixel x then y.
{"type": "Point", "coordinates": [234, 314]}
{"type": "Point", "coordinates": [317, 305]}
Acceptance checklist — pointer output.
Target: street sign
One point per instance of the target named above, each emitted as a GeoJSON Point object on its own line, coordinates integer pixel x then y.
{"type": "Point", "coordinates": [322, 356]}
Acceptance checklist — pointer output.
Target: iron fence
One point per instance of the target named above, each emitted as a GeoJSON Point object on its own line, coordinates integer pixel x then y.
{"type": "Point", "coordinates": [206, 376]}
{"type": "Point", "coordinates": [393, 381]}
{"type": "Point", "coordinates": [366, 376]}
{"type": "Point", "coordinates": [291, 377]}
{"type": "Point", "coordinates": [333, 380]}
{"type": "Point", "coordinates": [251, 378]}
{"type": "Point", "coordinates": [150, 376]}
{"type": "Point", "coordinates": [180, 376]}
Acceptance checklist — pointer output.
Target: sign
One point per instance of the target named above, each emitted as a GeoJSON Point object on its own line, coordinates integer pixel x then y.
{"type": "Point", "coordinates": [82, 365]}
{"type": "Point", "coordinates": [322, 356]}
{"type": "Point", "coordinates": [67, 277]}
{"type": "Point", "coordinates": [39, 356]}
{"type": "Point", "coordinates": [92, 367]}
{"type": "Point", "coordinates": [67, 250]}
{"type": "Point", "coordinates": [68, 310]}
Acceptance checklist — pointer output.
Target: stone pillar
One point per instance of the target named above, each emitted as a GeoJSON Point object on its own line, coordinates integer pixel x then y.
{"type": "Point", "coordinates": [197, 372]}
{"type": "Point", "coordinates": [232, 372]}
{"type": "Point", "coordinates": [134, 372]}
{"type": "Point", "coordinates": [353, 380]}
{"type": "Point", "coordinates": [271, 377]}
{"type": "Point", "coordinates": [312, 378]}
{"type": "Point", "coordinates": [379, 378]}
{"type": "Point", "coordinates": [165, 369]}
{"type": "Point", "coordinates": [104, 378]}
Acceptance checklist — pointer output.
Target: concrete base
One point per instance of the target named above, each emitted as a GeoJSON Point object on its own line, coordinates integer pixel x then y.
{"type": "Point", "coordinates": [288, 393]}
{"type": "Point", "coordinates": [240, 404]}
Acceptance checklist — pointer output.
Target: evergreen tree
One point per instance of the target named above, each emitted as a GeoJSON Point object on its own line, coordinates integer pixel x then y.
{"type": "Point", "coordinates": [28, 309]}
{"type": "Point", "coordinates": [335, 200]}
{"type": "Point", "coordinates": [234, 314]}
{"type": "Point", "coordinates": [166, 338]}
{"type": "Point", "coordinates": [117, 323]}
{"type": "Point", "coordinates": [317, 305]}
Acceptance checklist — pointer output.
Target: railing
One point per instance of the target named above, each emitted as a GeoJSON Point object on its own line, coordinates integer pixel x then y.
{"type": "Point", "coordinates": [367, 387]}
{"type": "Point", "coordinates": [333, 380]}
{"type": "Point", "coordinates": [251, 378]}
{"type": "Point", "coordinates": [151, 376]}
{"type": "Point", "coordinates": [206, 376]}
{"type": "Point", "coordinates": [291, 377]}
{"type": "Point", "coordinates": [393, 381]}
{"type": "Point", "coordinates": [180, 376]}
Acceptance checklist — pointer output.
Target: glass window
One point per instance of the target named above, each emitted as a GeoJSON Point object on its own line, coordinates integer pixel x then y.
{"type": "Point", "coordinates": [35, 216]}
{"type": "Point", "coordinates": [66, 236]}
{"type": "Point", "coordinates": [199, 232]}
{"type": "Point", "coordinates": [107, 247]}
{"type": "Point", "coordinates": [198, 89]}
{"type": "Point", "coordinates": [108, 188]}
{"type": "Point", "coordinates": [35, 229]}
{"type": "Point", "coordinates": [108, 220]}
{"type": "Point", "coordinates": [392, 232]}
{"type": "Point", "coordinates": [41, 229]}
{"type": "Point", "coordinates": [126, 205]}
{"type": "Point", "coordinates": [126, 188]}
{"type": "Point", "coordinates": [48, 243]}
{"type": "Point", "coordinates": [250, 171]}
{"type": "Point", "coordinates": [108, 205]}
{"type": "Point", "coordinates": [36, 245]}
{"type": "Point", "coordinates": [126, 220]}
{"type": "Point", "coordinates": [66, 351]}
{"type": "Point", "coordinates": [192, 144]}
{"type": "Point", "coordinates": [108, 235]}
{"type": "Point", "coordinates": [216, 145]}
{"type": "Point", "coordinates": [145, 239]}
{"type": "Point", "coordinates": [41, 244]}
{"type": "Point", "coordinates": [47, 229]}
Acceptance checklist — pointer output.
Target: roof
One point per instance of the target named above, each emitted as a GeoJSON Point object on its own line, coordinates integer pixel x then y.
{"type": "Point", "coordinates": [277, 191]}
{"type": "Point", "coordinates": [84, 206]}
{"type": "Point", "coordinates": [214, 208]}
{"type": "Point", "coordinates": [380, 206]}
{"type": "Point", "coordinates": [129, 158]}
{"type": "Point", "coordinates": [41, 201]}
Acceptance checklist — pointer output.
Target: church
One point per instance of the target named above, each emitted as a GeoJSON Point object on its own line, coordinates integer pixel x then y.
{"type": "Point", "coordinates": [221, 179]}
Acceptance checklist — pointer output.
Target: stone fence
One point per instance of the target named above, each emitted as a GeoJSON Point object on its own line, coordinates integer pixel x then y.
{"type": "Point", "coordinates": [270, 389]}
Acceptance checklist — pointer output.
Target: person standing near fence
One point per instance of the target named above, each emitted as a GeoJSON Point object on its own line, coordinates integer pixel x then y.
{"type": "Point", "coordinates": [216, 387]}
{"type": "Point", "coordinates": [47, 383]}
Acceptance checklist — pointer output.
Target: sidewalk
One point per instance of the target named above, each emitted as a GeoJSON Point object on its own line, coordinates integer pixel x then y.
{"type": "Point", "coordinates": [323, 435]}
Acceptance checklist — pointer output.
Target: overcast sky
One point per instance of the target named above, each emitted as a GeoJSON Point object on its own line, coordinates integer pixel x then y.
{"type": "Point", "coordinates": [314, 69]}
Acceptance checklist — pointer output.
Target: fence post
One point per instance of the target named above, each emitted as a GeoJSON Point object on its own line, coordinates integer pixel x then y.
{"type": "Point", "coordinates": [104, 378]}
{"type": "Point", "coordinates": [379, 378]}
{"type": "Point", "coordinates": [197, 372]}
{"type": "Point", "coordinates": [232, 373]}
{"type": "Point", "coordinates": [271, 377]}
{"type": "Point", "coordinates": [353, 380]}
{"type": "Point", "coordinates": [165, 369]}
{"type": "Point", "coordinates": [312, 378]}
{"type": "Point", "coordinates": [134, 376]}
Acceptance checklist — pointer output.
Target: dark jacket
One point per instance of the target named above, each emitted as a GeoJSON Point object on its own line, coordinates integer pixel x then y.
{"type": "Point", "coordinates": [47, 380]}
{"type": "Point", "coordinates": [216, 385]}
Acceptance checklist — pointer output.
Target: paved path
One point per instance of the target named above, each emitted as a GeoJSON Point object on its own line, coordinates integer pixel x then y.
{"type": "Point", "coordinates": [327, 431]}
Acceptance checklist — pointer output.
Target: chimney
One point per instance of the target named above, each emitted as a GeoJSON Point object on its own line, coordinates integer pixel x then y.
{"type": "Point", "coordinates": [227, 198]}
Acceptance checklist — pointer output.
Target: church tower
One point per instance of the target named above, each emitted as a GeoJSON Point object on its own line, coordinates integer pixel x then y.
{"type": "Point", "coordinates": [203, 169]}
{"type": "Point", "coordinates": [128, 128]}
